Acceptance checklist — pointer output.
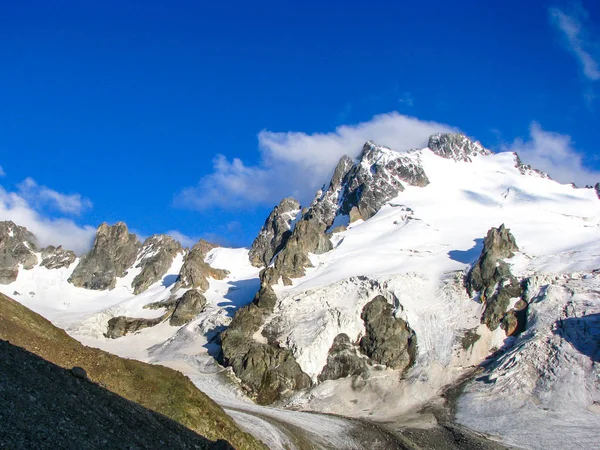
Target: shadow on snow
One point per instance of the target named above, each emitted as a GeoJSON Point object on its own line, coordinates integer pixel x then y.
{"type": "Point", "coordinates": [467, 256]}
{"type": "Point", "coordinates": [583, 333]}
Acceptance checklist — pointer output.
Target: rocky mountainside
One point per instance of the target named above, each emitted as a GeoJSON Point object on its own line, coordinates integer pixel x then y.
{"type": "Point", "coordinates": [409, 272]}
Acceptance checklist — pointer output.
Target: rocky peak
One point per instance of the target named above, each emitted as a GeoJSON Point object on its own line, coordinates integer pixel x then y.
{"type": "Point", "coordinates": [195, 271]}
{"type": "Point", "coordinates": [57, 257]}
{"type": "Point", "coordinates": [155, 259]}
{"type": "Point", "coordinates": [17, 247]}
{"type": "Point", "coordinates": [114, 251]}
{"type": "Point", "coordinates": [274, 233]}
{"type": "Point", "coordinates": [379, 175]}
{"type": "Point", "coordinates": [456, 146]}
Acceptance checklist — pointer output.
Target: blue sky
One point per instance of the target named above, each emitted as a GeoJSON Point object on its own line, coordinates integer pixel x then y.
{"type": "Point", "coordinates": [197, 118]}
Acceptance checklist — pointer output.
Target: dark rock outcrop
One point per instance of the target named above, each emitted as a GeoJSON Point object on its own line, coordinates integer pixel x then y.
{"type": "Point", "coordinates": [156, 256]}
{"type": "Point", "coordinates": [187, 308]}
{"type": "Point", "coordinates": [195, 271]}
{"type": "Point", "coordinates": [274, 233]}
{"type": "Point", "coordinates": [526, 169]}
{"type": "Point", "coordinates": [17, 246]}
{"type": "Point", "coordinates": [498, 244]}
{"type": "Point", "coordinates": [388, 340]}
{"type": "Point", "coordinates": [343, 360]}
{"type": "Point", "coordinates": [597, 189]}
{"type": "Point", "coordinates": [491, 277]}
{"type": "Point", "coordinates": [455, 146]}
{"type": "Point", "coordinates": [57, 257]}
{"type": "Point", "coordinates": [114, 251]}
{"type": "Point", "coordinates": [267, 371]}
{"type": "Point", "coordinates": [121, 325]}
{"type": "Point", "coordinates": [308, 237]}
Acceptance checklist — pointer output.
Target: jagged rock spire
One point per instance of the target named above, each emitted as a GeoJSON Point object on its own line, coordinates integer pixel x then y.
{"type": "Point", "coordinates": [114, 251]}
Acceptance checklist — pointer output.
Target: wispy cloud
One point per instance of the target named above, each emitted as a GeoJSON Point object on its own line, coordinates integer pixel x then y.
{"type": "Point", "coordinates": [2, 172]}
{"type": "Point", "coordinates": [577, 38]}
{"type": "Point", "coordinates": [183, 239]}
{"type": "Point", "coordinates": [43, 196]}
{"type": "Point", "coordinates": [297, 164]}
{"type": "Point", "coordinates": [555, 154]}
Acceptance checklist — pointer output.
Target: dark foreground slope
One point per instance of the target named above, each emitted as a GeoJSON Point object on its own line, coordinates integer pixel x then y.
{"type": "Point", "coordinates": [43, 405]}
{"type": "Point", "coordinates": [155, 388]}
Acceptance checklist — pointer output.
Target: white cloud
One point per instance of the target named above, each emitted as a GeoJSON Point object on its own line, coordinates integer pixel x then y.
{"type": "Point", "coordinates": [554, 154]}
{"type": "Point", "coordinates": [59, 231]}
{"type": "Point", "coordinates": [577, 39]}
{"type": "Point", "coordinates": [183, 239]}
{"type": "Point", "coordinates": [43, 196]}
{"type": "Point", "coordinates": [2, 172]}
{"type": "Point", "coordinates": [297, 164]}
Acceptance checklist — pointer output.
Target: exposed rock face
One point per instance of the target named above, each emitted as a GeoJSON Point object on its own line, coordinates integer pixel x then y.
{"type": "Point", "coordinates": [187, 308]}
{"type": "Point", "coordinates": [597, 189]}
{"type": "Point", "coordinates": [268, 371]}
{"type": "Point", "coordinates": [455, 146]}
{"type": "Point", "coordinates": [113, 252]}
{"type": "Point", "coordinates": [378, 177]}
{"type": "Point", "coordinates": [156, 257]}
{"type": "Point", "coordinates": [325, 205]}
{"type": "Point", "coordinates": [491, 277]}
{"type": "Point", "coordinates": [120, 326]}
{"type": "Point", "coordinates": [57, 257]}
{"type": "Point", "coordinates": [274, 233]}
{"type": "Point", "coordinates": [388, 339]}
{"type": "Point", "coordinates": [17, 246]}
{"type": "Point", "coordinates": [343, 360]}
{"type": "Point", "coordinates": [308, 237]}
{"type": "Point", "coordinates": [497, 245]}
{"type": "Point", "coordinates": [526, 169]}
{"type": "Point", "coordinates": [195, 272]}
{"type": "Point", "coordinates": [180, 311]}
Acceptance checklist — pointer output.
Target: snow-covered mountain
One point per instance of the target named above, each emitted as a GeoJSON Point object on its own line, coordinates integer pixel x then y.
{"type": "Point", "coordinates": [406, 274]}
